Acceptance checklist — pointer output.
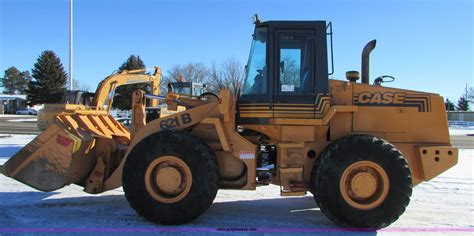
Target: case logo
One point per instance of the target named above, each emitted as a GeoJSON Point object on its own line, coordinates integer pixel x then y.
{"type": "Point", "coordinates": [393, 99]}
{"type": "Point", "coordinates": [380, 98]}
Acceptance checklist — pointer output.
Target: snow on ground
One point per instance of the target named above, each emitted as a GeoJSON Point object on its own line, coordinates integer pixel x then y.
{"type": "Point", "coordinates": [23, 120]}
{"type": "Point", "coordinates": [10, 144]}
{"type": "Point", "coordinates": [14, 116]}
{"type": "Point", "coordinates": [443, 205]}
{"type": "Point", "coordinates": [461, 130]}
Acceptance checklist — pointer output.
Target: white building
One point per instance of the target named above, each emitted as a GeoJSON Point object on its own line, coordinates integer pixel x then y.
{"type": "Point", "coordinates": [11, 103]}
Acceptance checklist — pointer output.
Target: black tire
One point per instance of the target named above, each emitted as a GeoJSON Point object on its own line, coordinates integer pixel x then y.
{"type": "Point", "coordinates": [209, 96]}
{"type": "Point", "coordinates": [199, 158]}
{"type": "Point", "coordinates": [337, 157]}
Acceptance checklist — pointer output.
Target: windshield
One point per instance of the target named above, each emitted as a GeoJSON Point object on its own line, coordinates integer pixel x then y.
{"type": "Point", "coordinates": [256, 74]}
{"type": "Point", "coordinates": [180, 87]}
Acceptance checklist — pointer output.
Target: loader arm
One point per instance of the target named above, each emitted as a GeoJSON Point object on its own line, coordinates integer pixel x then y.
{"type": "Point", "coordinates": [105, 91]}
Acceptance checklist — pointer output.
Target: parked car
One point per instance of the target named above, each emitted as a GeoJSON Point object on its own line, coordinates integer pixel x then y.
{"type": "Point", "coordinates": [27, 111]}
{"type": "Point", "coordinates": [125, 121]}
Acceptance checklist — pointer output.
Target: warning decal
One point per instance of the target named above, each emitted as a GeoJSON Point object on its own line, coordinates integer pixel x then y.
{"type": "Point", "coordinates": [64, 141]}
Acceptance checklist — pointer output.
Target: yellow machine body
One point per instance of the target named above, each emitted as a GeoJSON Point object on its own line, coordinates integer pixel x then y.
{"type": "Point", "coordinates": [300, 126]}
{"type": "Point", "coordinates": [427, 149]}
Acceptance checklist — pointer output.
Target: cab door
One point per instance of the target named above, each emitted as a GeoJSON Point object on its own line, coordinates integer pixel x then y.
{"type": "Point", "coordinates": [294, 93]}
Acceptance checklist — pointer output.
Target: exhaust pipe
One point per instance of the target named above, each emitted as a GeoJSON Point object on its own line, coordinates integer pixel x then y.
{"type": "Point", "coordinates": [366, 60]}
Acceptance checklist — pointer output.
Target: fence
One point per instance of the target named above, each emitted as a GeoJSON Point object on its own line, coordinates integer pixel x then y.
{"type": "Point", "coordinates": [460, 123]}
{"type": "Point", "coordinates": [120, 113]}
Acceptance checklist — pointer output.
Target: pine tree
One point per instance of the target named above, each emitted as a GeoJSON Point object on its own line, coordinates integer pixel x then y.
{"type": "Point", "coordinates": [132, 63]}
{"type": "Point", "coordinates": [22, 84]}
{"type": "Point", "coordinates": [449, 105]}
{"type": "Point", "coordinates": [463, 104]}
{"type": "Point", "coordinates": [10, 80]}
{"type": "Point", "coordinates": [49, 80]}
{"type": "Point", "coordinates": [123, 94]}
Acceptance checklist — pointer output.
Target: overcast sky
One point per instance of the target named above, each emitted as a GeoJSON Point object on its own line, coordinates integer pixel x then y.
{"type": "Point", "coordinates": [426, 44]}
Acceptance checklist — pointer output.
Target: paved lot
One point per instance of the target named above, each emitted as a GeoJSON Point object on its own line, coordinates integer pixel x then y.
{"type": "Point", "coordinates": [28, 126]}
{"type": "Point", "coordinates": [463, 141]}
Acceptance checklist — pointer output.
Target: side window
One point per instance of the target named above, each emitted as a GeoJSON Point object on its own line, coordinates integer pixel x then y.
{"type": "Point", "coordinates": [294, 66]}
{"type": "Point", "coordinates": [197, 90]}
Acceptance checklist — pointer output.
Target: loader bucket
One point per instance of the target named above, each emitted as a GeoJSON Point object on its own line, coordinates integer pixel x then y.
{"type": "Point", "coordinates": [68, 151]}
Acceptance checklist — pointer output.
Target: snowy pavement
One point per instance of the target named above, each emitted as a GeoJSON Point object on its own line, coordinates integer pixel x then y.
{"type": "Point", "coordinates": [24, 120]}
{"type": "Point", "coordinates": [443, 205]}
{"type": "Point", "coordinates": [460, 130]}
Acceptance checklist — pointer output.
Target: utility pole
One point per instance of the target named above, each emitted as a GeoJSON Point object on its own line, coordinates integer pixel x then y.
{"type": "Point", "coordinates": [70, 44]}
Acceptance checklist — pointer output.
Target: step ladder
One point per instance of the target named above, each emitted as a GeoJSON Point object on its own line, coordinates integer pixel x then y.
{"type": "Point", "coordinates": [292, 181]}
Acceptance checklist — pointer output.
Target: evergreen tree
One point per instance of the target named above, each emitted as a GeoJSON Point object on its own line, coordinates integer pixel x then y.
{"type": "Point", "coordinates": [132, 63]}
{"type": "Point", "coordinates": [463, 104]}
{"type": "Point", "coordinates": [10, 80]}
{"type": "Point", "coordinates": [449, 105]}
{"type": "Point", "coordinates": [123, 94]}
{"type": "Point", "coordinates": [22, 84]}
{"type": "Point", "coordinates": [49, 81]}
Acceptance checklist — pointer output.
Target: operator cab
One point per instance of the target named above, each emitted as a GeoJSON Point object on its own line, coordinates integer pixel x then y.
{"type": "Point", "coordinates": [77, 97]}
{"type": "Point", "coordinates": [286, 73]}
{"type": "Point", "coordinates": [188, 88]}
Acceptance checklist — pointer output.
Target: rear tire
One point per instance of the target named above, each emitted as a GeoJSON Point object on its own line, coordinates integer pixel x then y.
{"type": "Point", "coordinates": [362, 181]}
{"type": "Point", "coordinates": [177, 154]}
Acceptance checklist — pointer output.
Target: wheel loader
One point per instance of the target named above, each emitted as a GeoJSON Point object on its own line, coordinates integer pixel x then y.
{"type": "Point", "coordinates": [358, 147]}
{"type": "Point", "coordinates": [181, 88]}
{"type": "Point", "coordinates": [102, 99]}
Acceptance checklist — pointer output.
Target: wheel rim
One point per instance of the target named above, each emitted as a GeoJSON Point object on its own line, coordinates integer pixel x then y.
{"type": "Point", "coordinates": [364, 185]}
{"type": "Point", "coordinates": [168, 179]}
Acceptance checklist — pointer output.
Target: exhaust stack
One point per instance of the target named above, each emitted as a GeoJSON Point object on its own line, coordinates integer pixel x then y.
{"type": "Point", "coordinates": [366, 60]}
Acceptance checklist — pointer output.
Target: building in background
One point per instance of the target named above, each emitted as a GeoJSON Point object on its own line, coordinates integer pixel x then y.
{"type": "Point", "coordinates": [11, 103]}
{"type": "Point", "coordinates": [461, 116]}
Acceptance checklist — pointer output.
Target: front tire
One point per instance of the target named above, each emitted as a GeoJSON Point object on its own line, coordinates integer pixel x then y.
{"type": "Point", "coordinates": [362, 181]}
{"type": "Point", "coordinates": [170, 177]}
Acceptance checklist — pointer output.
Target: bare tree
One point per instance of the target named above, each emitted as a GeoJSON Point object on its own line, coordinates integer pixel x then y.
{"type": "Point", "coordinates": [290, 75]}
{"type": "Point", "coordinates": [215, 82]}
{"type": "Point", "coordinates": [228, 76]}
{"type": "Point", "coordinates": [191, 72]}
{"type": "Point", "coordinates": [470, 94]}
{"type": "Point", "coordinates": [80, 85]}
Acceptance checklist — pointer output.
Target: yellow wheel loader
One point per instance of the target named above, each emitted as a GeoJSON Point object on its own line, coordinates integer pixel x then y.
{"type": "Point", "coordinates": [179, 88]}
{"type": "Point", "coordinates": [102, 99]}
{"type": "Point", "coordinates": [359, 148]}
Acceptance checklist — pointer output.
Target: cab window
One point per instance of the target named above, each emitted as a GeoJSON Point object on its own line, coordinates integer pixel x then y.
{"type": "Point", "coordinates": [294, 64]}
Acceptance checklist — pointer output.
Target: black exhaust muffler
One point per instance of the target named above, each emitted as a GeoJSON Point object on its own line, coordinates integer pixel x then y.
{"type": "Point", "coordinates": [366, 60]}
